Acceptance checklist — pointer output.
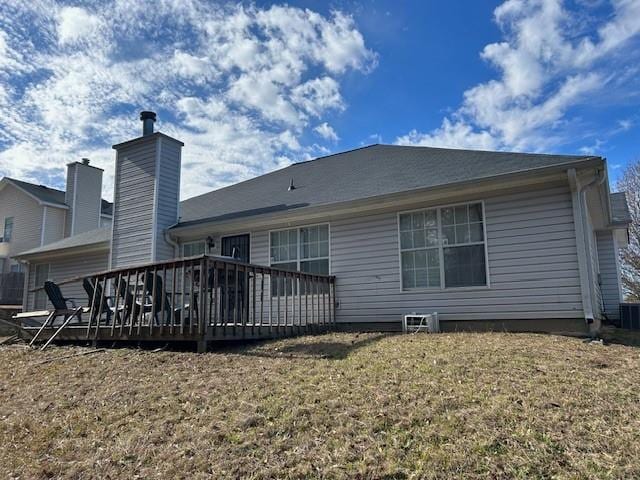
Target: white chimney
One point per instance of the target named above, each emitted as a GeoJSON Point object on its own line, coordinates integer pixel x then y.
{"type": "Point", "coordinates": [146, 196]}
{"type": "Point", "coordinates": [84, 197]}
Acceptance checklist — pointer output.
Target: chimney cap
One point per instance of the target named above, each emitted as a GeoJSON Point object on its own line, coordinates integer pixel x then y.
{"type": "Point", "coordinates": [148, 115]}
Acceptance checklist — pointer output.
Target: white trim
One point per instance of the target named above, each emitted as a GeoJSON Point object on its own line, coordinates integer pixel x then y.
{"type": "Point", "coordinates": [43, 226]}
{"type": "Point", "coordinates": [179, 179]}
{"type": "Point", "coordinates": [441, 246]}
{"type": "Point", "coordinates": [73, 202]}
{"type": "Point", "coordinates": [156, 200]}
{"type": "Point", "coordinates": [298, 227]}
{"type": "Point", "coordinates": [116, 191]}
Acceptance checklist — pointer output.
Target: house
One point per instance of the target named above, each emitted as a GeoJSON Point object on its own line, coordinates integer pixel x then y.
{"type": "Point", "coordinates": [33, 216]}
{"type": "Point", "coordinates": [489, 240]}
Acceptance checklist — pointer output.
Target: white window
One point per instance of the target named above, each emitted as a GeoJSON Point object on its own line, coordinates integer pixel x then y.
{"type": "Point", "coordinates": [305, 249]}
{"type": "Point", "coordinates": [191, 249]}
{"type": "Point", "coordinates": [443, 247]}
{"type": "Point", "coordinates": [42, 275]}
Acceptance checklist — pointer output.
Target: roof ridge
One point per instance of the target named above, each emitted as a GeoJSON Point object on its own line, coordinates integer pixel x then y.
{"type": "Point", "coordinates": [506, 152]}
{"type": "Point", "coordinates": [355, 149]}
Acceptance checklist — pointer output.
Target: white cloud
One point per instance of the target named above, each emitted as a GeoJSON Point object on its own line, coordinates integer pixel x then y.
{"type": "Point", "coordinates": [75, 23]}
{"type": "Point", "coordinates": [239, 85]}
{"type": "Point", "coordinates": [318, 95]}
{"type": "Point", "coordinates": [451, 135]}
{"type": "Point", "coordinates": [548, 63]}
{"type": "Point", "coordinates": [326, 131]}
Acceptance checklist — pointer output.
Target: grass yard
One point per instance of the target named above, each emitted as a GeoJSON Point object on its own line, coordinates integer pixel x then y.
{"type": "Point", "coordinates": [489, 405]}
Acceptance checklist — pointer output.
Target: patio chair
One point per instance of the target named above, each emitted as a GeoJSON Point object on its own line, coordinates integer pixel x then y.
{"type": "Point", "coordinates": [94, 291]}
{"type": "Point", "coordinates": [61, 308]}
{"type": "Point", "coordinates": [130, 305]}
{"type": "Point", "coordinates": [158, 294]}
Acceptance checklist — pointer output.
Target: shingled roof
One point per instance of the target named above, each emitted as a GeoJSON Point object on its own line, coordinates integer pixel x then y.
{"type": "Point", "coordinates": [358, 174]}
{"type": "Point", "coordinates": [52, 195]}
{"type": "Point", "coordinates": [100, 237]}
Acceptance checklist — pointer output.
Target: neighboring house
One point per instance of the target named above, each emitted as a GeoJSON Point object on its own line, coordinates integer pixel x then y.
{"type": "Point", "coordinates": [489, 240]}
{"type": "Point", "coordinates": [32, 216]}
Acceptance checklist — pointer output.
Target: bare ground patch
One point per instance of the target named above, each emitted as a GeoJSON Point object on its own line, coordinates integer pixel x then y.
{"type": "Point", "coordinates": [331, 406]}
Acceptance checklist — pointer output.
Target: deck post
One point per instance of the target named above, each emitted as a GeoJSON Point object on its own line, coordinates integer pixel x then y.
{"type": "Point", "coordinates": [202, 346]}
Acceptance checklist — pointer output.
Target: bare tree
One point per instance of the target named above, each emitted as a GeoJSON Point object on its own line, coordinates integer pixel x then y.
{"type": "Point", "coordinates": [630, 256]}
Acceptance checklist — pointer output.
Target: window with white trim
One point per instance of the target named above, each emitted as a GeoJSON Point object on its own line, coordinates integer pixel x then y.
{"type": "Point", "coordinates": [443, 247]}
{"type": "Point", "coordinates": [305, 249]}
{"type": "Point", "coordinates": [191, 249]}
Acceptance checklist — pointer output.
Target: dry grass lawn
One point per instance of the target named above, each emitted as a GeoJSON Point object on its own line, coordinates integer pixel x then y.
{"type": "Point", "coordinates": [334, 406]}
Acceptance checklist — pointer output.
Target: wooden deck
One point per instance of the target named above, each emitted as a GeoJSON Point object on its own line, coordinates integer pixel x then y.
{"type": "Point", "coordinates": [199, 299]}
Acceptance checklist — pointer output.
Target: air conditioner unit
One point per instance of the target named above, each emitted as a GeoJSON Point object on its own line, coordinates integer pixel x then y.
{"type": "Point", "coordinates": [421, 322]}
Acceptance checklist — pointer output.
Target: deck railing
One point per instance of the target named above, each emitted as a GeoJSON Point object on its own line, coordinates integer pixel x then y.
{"type": "Point", "coordinates": [206, 298]}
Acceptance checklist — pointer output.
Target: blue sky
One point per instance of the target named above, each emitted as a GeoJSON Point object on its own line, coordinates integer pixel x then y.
{"type": "Point", "coordinates": [250, 87]}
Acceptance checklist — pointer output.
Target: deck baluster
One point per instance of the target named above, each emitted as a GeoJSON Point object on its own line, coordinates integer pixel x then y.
{"type": "Point", "coordinates": [216, 308]}
{"type": "Point", "coordinates": [261, 299]}
{"type": "Point", "coordinates": [154, 292]}
{"type": "Point", "coordinates": [225, 317]}
{"type": "Point", "coordinates": [114, 316]}
{"type": "Point", "coordinates": [102, 301]}
{"type": "Point", "coordinates": [235, 297]}
{"type": "Point", "coordinates": [93, 307]}
{"type": "Point", "coordinates": [132, 307]}
{"type": "Point", "coordinates": [253, 296]}
{"type": "Point", "coordinates": [203, 298]}
{"type": "Point", "coordinates": [163, 292]}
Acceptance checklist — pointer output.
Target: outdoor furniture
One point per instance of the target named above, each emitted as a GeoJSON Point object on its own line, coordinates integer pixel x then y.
{"type": "Point", "coordinates": [131, 305]}
{"type": "Point", "coordinates": [60, 309]}
{"type": "Point", "coordinates": [161, 306]}
{"type": "Point", "coordinates": [95, 294]}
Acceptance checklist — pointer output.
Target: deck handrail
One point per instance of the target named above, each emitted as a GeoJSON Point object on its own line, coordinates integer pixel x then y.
{"type": "Point", "coordinates": [175, 261]}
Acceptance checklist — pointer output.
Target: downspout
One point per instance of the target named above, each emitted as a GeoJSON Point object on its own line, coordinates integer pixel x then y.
{"type": "Point", "coordinates": [580, 191]}
{"type": "Point", "coordinates": [176, 246]}
{"type": "Point", "coordinates": [597, 180]}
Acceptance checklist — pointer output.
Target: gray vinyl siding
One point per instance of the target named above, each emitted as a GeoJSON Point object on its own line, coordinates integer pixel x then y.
{"type": "Point", "coordinates": [168, 195]}
{"type": "Point", "coordinates": [68, 198]}
{"type": "Point", "coordinates": [88, 201]}
{"type": "Point", "coordinates": [66, 268]}
{"type": "Point", "coordinates": [134, 201]}
{"type": "Point", "coordinates": [609, 273]}
{"type": "Point", "coordinates": [133, 204]}
{"type": "Point", "coordinates": [27, 221]}
{"type": "Point", "coordinates": [532, 256]}
{"type": "Point", "coordinates": [54, 225]}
